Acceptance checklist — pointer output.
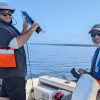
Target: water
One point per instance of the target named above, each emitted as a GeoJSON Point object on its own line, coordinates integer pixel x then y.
{"type": "Point", "coordinates": [58, 60]}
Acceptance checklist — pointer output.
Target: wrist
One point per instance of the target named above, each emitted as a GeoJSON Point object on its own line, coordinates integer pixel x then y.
{"type": "Point", "coordinates": [25, 27]}
{"type": "Point", "coordinates": [32, 29]}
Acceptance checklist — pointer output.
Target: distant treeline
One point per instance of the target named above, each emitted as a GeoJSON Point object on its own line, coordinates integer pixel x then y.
{"type": "Point", "coordinates": [82, 45]}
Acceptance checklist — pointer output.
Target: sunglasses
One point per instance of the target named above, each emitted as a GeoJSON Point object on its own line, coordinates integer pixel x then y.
{"type": "Point", "coordinates": [6, 14]}
{"type": "Point", "coordinates": [94, 34]}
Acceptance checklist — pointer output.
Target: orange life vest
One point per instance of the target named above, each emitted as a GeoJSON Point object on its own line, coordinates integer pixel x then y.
{"type": "Point", "coordinates": [93, 68]}
{"type": "Point", "coordinates": [98, 81]}
{"type": "Point", "coordinates": [7, 58]}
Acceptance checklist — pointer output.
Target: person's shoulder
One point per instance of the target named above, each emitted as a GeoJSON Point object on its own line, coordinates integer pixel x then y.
{"type": "Point", "coordinates": [97, 50]}
{"type": "Point", "coordinates": [3, 28]}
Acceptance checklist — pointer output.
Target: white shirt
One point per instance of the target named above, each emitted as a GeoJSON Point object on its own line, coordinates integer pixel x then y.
{"type": "Point", "coordinates": [13, 43]}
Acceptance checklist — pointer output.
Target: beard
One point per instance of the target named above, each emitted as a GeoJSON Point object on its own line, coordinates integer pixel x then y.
{"type": "Point", "coordinates": [97, 44]}
{"type": "Point", "coordinates": [7, 23]}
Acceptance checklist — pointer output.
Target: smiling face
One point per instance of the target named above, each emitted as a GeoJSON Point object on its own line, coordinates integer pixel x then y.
{"type": "Point", "coordinates": [96, 37]}
{"type": "Point", "coordinates": [6, 15]}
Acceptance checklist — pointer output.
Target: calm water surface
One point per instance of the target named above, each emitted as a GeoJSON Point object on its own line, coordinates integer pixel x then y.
{"type": "Point", "coordinates": [57, 60]}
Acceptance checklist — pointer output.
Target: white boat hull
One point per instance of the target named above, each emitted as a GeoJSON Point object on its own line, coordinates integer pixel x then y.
{"type": "Point", "coordinates": [45, 88]}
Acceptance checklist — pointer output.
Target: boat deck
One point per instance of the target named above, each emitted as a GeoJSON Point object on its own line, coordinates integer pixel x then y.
{"type": "Point", "coordinates": [46, 86]}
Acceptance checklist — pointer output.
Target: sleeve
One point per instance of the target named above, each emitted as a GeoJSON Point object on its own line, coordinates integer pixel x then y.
{"type": "Point", "coordinates": [5, 38]}
{"type": "Point", "coordinates": [13, 43]}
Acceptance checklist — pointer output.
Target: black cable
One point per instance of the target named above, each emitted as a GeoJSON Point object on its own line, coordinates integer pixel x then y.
{"type": "Point", "coordinates": [30, 69]}
{"type": "Point", "coordinates": [15, 20]}
{"type": "Point", "coordinates": [31, 73]}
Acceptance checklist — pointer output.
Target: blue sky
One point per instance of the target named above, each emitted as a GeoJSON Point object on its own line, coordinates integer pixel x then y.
{"type": "Point", "coordinates": [65, 21]}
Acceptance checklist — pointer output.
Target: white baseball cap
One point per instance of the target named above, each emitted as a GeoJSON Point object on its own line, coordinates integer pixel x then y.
{"type": "Point", "coordinates": [95, 27]}
{"type": "Point", "coordinates": [5, 6]}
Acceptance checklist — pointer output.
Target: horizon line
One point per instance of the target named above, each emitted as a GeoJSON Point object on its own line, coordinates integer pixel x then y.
{"type": "Point", "coordinates": [64, 44]}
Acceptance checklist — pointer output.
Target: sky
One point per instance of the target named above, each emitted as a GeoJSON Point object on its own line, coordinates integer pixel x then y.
{"type": "Point", "coordinates": [65, 21]}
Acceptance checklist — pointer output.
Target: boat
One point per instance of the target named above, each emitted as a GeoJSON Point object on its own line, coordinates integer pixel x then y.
{"type": "Point", "coordinates": [50, 87]}
{"type": "Point", "coordinates": [45, 87]}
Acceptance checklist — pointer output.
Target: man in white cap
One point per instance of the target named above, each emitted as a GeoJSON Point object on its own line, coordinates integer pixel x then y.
{"type": "Point", "coordinates": [89, 86]}
{"type": "Point", "coordinates": [95, 65]}
{"type": "Point", "coordinates": [12, 54]}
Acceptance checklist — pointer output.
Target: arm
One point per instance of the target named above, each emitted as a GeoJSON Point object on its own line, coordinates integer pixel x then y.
{"type": "Point", "coordinates": [22, 39]}
{"type": "Point", "coordinates": [83, 71]}
{"type": "Point", "coordinates": [26, 33]}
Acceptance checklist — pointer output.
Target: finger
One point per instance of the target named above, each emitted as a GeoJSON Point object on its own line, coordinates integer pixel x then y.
{"type": "Point", "coordinates": [36, 25]}
{"type": "Point", "coordinates": [80, 70]}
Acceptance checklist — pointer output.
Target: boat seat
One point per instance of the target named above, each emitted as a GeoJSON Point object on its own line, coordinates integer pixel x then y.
{"type": "Point", "coordinates": [57, 82]}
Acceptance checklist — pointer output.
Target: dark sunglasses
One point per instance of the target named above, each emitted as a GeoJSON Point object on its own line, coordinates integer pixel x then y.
{"type": "Point", "coordinates": [6, 14]}
{"type": "Point", "coordinates": [94, 34]}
